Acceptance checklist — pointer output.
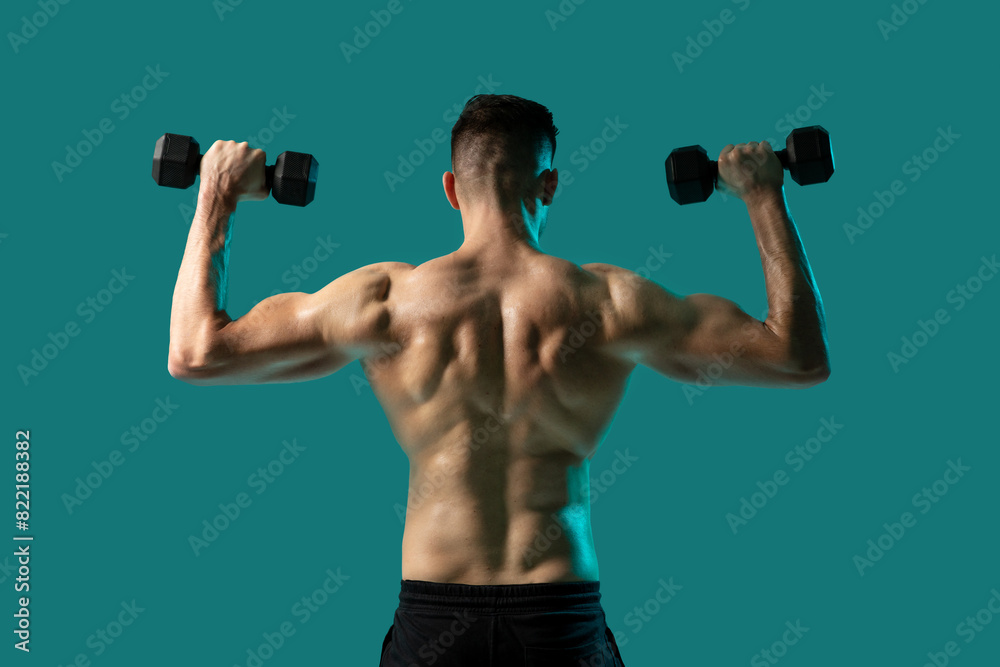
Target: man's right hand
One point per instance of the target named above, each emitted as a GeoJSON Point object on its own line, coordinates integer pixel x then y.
{"type": "Point", "coordinates": [749, 170]}
{"type": "Point", "coordinates": [233, 171]}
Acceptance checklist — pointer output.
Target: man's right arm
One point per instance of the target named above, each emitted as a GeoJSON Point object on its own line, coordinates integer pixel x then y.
{"type": "Point", "coordinates": [680, 336]}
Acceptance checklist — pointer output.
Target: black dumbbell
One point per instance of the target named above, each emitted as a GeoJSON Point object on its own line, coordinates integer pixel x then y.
{"type": "Point", "coordinates": [807, 156]}
{"type": "Point", "coordinates": [291, 179]}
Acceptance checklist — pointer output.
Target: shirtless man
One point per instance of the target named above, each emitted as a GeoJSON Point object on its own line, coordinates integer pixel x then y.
{"type": "Point", "coordinates": [498, 406]}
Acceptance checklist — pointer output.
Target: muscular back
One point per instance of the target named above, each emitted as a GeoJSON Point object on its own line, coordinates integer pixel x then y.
{"type": "Point", "coordinates": [499, 368]}
{"type": "Point", "coordinates": [500, 371]}
{"type": "Point", "coordinates": [498, 386]}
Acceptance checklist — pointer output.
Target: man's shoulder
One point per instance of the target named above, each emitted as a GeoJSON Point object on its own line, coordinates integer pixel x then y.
{"type": "Point", "coordinates": [602, 269]}
{"type": "Point", "coordinates": [623, 294]}
{"type": "Point", "coordinates": [391, 268]}
{"type": "Point", "coordinates": [364, 284]}
{"type": "Point", "coordinates": [593, 270]}
{"type": "Point", "coordinates": [382, 273]}
{"type": "Point", "coordinates": [609, 276]}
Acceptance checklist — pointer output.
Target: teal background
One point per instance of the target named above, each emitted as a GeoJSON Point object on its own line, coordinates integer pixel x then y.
{"type": "Point", "coordinates": [334, 506]}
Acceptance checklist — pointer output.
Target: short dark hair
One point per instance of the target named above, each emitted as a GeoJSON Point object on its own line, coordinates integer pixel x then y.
{"type": "Point", "coordinates": [500, 133]}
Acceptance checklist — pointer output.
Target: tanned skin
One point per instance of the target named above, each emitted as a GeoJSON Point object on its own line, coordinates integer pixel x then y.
{"type": "Point", "coordinates": [498, 406]}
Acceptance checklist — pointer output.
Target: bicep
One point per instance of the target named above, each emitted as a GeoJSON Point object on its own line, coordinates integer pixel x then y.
{"type": "Point", "coordinates": [295, 336]}
{"type": "Point", "coordinates": [701, 337]}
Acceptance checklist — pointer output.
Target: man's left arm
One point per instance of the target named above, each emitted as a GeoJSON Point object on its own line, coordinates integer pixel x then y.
{"type": "Point", "coordinates": [288, 337]}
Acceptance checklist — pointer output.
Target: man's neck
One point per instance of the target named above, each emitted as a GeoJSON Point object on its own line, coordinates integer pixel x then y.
{"type": "Point", "coordinates": [485, 239]}
{"type": "Point", "coordinates": [499, 229]}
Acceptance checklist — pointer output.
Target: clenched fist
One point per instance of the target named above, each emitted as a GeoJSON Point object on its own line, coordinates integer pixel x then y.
{"type": "Point", "coordinates": [234, 172]}
{"type": "Point", "coordinates": [748, 170]}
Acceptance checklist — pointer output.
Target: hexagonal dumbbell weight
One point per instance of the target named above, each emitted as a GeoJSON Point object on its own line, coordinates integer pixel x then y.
{"type": "Point", "coordinates": [291, 179]}
{"type": "Point", "coordinates": [808, 157]}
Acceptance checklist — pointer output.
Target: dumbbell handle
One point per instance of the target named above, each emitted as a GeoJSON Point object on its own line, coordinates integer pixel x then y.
{"type": "Point", "coordinates": [268, 173]}
{"type": "Point", "coordinates": [782, 154]}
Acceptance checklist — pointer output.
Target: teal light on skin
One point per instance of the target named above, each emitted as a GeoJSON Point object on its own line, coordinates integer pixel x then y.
{"type": "Point", "coordinates": [498, 218]}
{"type": "Point", "coordinates": [574, 517]}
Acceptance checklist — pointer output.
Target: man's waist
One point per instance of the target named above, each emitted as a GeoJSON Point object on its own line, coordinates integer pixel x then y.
{"type": "Point", "coordinates": [503, 598]}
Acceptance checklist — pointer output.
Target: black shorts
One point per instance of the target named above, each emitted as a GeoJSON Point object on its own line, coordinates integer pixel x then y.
{"type": "Point", "coordinates": [530, 625]}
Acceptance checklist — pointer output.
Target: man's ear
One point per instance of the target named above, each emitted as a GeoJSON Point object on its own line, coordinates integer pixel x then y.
{"type": "Point", "coordinates": [448, 180]}
{"type": "Point", "coordinates": [551, 184]}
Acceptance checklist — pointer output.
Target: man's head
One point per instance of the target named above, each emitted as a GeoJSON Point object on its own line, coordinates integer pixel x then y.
{"type": "Point", "coordinates": [501, 151]}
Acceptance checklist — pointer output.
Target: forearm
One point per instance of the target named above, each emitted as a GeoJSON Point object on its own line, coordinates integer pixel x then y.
{"type": "Point", "coordinates": [198, 309]}
{"type": "Point", "coordinates": [795, 309]}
